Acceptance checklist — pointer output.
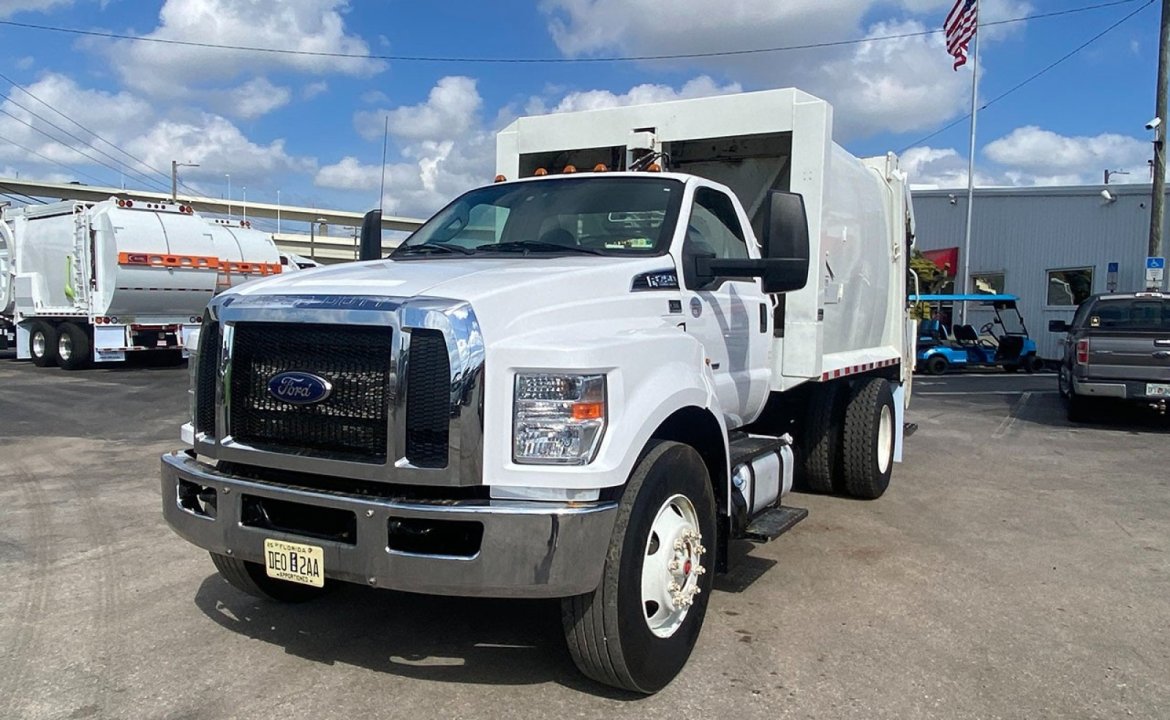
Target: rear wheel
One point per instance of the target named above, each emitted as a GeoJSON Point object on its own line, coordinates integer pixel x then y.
{"type": "Point", "coordinates": [42, 344]}
{"type": "Point", "coordinates": [937, 364]}
{"type": "Point", "coordinates": [73, 347]}
{"type": "Point", "coordinates": [1034, 364]}
{"type": "Point", "coordinates": [868, 439]}
{"type": "Point", "coordinates": [637, 629]}
{"type": "Point", "coordinates": [250, 578]}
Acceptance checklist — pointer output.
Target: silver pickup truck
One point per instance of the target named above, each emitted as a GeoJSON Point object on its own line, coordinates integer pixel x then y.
{"type": "Point", "coordinates": [1117, 346]}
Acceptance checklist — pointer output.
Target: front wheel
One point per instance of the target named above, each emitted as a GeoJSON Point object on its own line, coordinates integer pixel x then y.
{"type": "Point", "coordinates": [637, 629]}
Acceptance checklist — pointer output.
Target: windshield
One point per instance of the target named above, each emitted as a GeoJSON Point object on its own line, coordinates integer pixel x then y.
{"type": "Point", "coordinates": [1010, 319]}
{"type": "Point", "coordinates": [1131, 314]}
{"type": "Point", "coordinates": [591, 215]}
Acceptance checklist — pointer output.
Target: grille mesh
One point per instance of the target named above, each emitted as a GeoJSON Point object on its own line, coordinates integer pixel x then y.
{"type": "Point", "coordinates": [350, 424]}
{"type": "Point", "coordinates": [428, 399]}
{"type": "Point", "coordinates": [205, 380]}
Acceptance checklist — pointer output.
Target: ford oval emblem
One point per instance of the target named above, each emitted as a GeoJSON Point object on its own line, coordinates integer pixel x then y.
{"type": "Point", "coordinates": [299, 388]}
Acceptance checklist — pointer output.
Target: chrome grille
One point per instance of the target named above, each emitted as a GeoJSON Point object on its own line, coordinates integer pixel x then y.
{"type": "Point", "coordinates": [207, 369]}
{"type": "Point", "coordinates": [350, 424]}
{"type": "Point", "coordinates": [428, 399]}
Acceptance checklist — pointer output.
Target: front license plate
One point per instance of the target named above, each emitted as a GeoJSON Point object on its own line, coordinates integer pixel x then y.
{"type": "Point", "coordinates": [295, 562]}
{"type": "Point", "coordinates": [1157, 390]}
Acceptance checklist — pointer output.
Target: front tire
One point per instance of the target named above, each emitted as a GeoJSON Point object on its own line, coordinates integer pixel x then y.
{"type": "Point", "coordinates": [42, 344]}
{"type": "Point", "coordinates": [250, 578]}
{"type": "Point", "coordinates": [637, 629]}
{"type": "Point", "coordinates": [868, 439]}
{"type": "Point", "coordinates": [937, 365]}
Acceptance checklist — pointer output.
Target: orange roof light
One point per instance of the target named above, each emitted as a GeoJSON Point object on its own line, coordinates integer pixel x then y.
{"type": "Point", "coordinates": [540, 172]}
{"type": "Point", "coordinates": [654, 167]}
{"type": "Point", "coordinates": [600, 167]}
{"type": "Point", "coordinates": [570, 169]}
{"type": "Point", "coordinates": [500, 178]}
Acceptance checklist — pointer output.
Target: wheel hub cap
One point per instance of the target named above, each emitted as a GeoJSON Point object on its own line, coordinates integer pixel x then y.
{"type": "Point", "coordinates": [672, 566]}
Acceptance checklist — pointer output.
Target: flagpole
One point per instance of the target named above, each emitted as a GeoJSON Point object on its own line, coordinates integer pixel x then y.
{"type": "Point", "coordinates": [966, 264]}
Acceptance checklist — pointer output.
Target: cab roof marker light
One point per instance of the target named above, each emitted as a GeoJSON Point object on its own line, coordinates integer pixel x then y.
{"type": "Point", "coordinates": [600, 167]}
{"type": "Point", "coordinates": [500, 179]}
{"type": "Point", "coordinates": [540, 172]}
{"type": "Point", "coordinates": [569, 169]}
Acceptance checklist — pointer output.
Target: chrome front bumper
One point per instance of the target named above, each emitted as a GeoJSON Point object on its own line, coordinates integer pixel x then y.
{"type": "Point", "coordinates": [528, 549]}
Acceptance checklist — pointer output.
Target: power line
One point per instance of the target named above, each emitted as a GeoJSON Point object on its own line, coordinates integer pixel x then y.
{"type": "Point", "coordinates": [60, 142]}
{"type": "Point", "coordinates": [535, 60]}
{"type": "Point", "coordinates": [138, 160]}
{"type": "Point", "coordinates": [46, 158]}
{"type": "Point", "coordinates": [142, 177]}
{"type": "Point", "coordinates": [1030, 78]}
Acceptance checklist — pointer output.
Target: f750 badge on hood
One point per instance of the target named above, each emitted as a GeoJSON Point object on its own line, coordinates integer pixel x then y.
{"type": "Point", "coordinates": [299, 388]}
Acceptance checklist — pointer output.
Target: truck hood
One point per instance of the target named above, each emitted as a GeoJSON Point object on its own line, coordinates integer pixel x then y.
{"type": "Point", "coordinates": [506, 293]}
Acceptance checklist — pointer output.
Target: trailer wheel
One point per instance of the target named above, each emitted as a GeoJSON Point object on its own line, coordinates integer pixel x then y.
{"type": "Point", "coordinates": [820, 448]}
{"type": "Point", "coordinates": [73, 347]}
{"type": "Point", "coordinates": [637, 629]}
{"type": "Point", "coordinates": [42, 344]}
{"type": "Point", "coordinates": [868, 439]}
{"type": "Point", "coordinates": [250, 578]}
{"type": "Point", "coordinates": [937, 365]}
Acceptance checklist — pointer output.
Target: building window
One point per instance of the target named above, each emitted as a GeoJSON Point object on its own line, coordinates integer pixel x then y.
{"type": "Point", "coordinates": [987, 283]}
{"type": "Point", "coordinates": [1069, 287]}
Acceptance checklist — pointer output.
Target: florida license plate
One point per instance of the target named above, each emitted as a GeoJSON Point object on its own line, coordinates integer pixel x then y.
{"type": "Point", "coordinates": [295, 562]}
{"type": "Point", "coordinates": [1157, 390]}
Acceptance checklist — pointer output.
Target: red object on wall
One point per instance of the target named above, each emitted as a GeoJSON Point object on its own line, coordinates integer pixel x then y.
{"type": "Point", "coordinates": [947, 259]}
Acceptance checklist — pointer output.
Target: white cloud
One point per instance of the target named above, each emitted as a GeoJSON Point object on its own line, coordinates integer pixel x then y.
{"type": "Point", "coordinates": [13, 7]}
{"type": "Point", "coordinates": [313, 89]}
{"type": "Point", "coordinates": [897, 85]}
{"type": "Point", "coordinates": [128, 122]}
{"type": "Point", "coordinates": [451, 108]}
{"type": "Point", "coordinates": [312, 26]}
{"type": "Point", "coordinates": [254, 98]}
{"type": "Point", "coordinates": [444, 145]}
{"type": "Point", "coordinates": [701, 86]}
{"type": "Point", "coordinates": [1034, 156]}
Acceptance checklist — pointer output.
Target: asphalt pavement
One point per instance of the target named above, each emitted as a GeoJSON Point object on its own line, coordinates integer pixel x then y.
{"type": "Point", "coordinates": [1018, 567]}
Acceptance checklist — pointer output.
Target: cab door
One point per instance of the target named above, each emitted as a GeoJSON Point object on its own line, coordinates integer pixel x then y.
{"type": "Point", "coordinates": [732, 318]}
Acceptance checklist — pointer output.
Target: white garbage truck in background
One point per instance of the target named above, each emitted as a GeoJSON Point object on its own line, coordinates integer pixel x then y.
{"type": "Point", "coordinates": [84, 282]}
{"type": "Point", "coordinates": [582, 381]}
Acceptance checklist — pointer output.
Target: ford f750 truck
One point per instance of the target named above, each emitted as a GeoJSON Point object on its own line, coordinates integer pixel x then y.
{"type": "Point", "coordinates": [582, 381]}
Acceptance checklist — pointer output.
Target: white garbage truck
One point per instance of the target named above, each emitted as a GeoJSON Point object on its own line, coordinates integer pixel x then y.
{"type": "Point", "coordinates": [582, 381]}
{"type": "Point", "coordinates": [84, 282]}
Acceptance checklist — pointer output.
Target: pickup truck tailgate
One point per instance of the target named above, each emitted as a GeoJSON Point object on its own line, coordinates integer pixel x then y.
{"type": "Point", "coordinates": [1129, 356]}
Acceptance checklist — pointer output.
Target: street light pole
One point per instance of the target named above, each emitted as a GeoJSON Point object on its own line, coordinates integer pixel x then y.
{"type": "Point", "coordinates": [175, 165]}
{"type": "Point", "coordinates": [229, 197]}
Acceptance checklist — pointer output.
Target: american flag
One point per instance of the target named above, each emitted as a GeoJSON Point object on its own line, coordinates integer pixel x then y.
{"type": "Point", "coordinates": [960, 27]}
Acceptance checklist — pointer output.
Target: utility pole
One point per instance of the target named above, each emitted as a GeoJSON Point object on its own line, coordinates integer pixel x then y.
{"type": "Point", "coordinates": [175, 165]}
{"type": "Point", "coordinates": [1158, 201]}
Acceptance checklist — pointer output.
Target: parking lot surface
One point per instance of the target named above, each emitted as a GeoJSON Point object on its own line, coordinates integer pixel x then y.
{"type": "Point", "coordinates": [1019, 567]}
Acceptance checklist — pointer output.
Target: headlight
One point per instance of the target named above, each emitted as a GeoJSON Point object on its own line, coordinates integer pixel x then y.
{"type": "Point", "coordinates": [557, 419]}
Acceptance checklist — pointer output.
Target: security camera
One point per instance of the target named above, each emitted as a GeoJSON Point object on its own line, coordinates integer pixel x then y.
{"type": "Point", "coordinates": [1153, 124]}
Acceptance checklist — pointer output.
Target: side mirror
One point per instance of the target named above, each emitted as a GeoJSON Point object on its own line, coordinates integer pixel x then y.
{"type": "Point", "coordinates": [1058, 326]}
{"type": "Point", "coordinates": [371, 242]}
{"type": "Point", "coordinates": [786, 243]}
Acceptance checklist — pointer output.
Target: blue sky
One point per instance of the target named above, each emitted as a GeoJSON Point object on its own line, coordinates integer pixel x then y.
{"type": "Point", "coordinates": [312, 127]}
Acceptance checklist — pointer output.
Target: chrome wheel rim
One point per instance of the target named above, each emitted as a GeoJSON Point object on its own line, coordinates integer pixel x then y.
{"type": "Point", "coordinates": [65, 347]}
{"type": "Point", "coordinates": [38, 344]}
{"type": "Point", "coordinates": [671, 566]}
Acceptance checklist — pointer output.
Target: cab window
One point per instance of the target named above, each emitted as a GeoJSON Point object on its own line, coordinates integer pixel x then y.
{"type": "Point", "coordinates": [714, 226]}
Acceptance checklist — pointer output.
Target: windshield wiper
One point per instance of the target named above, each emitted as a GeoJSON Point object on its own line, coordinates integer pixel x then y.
{"type": "Point", "coordinates": [535, 246]}
{"type": "Point", "coordinates": [432, 247]}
